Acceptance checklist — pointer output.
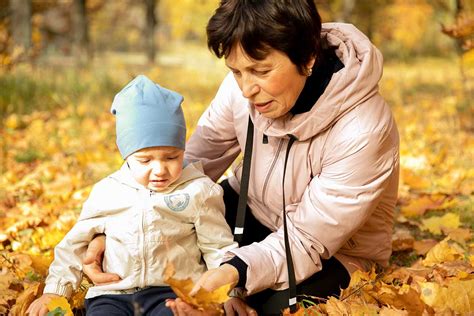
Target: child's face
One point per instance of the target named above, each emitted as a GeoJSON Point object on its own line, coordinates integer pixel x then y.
{"type": "Point", "coordinates": [156, 167]}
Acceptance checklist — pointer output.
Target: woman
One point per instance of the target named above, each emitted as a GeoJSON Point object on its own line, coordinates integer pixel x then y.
{"type": "Point", "coordinates": [321, 128]}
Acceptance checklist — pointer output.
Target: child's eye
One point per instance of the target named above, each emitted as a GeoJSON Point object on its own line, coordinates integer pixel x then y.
{"type": "Point", "coordinates": [173, 157]}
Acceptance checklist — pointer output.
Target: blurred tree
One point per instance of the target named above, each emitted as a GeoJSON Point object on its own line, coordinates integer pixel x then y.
{"type": "Point", "coordinates": [20, 26]}
{"type": "Point", "coordinates": [81, 46]}
{"type": "Point", "coordinates": [462, 31]}
{"type": "Point", "coordinates": [149, 29]}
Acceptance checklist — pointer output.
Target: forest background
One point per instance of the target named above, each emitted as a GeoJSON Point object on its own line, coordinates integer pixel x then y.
{"type": "Point", "coordinates": [62, 61]}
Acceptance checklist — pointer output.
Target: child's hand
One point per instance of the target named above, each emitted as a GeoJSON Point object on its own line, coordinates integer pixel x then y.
{"type": "Point", "coordinates": [39, 306]}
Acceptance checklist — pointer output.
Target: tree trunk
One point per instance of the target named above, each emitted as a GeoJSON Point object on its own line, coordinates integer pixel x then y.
{"type": "Point", "coordinates": [82, 49]}
{"type": "Point", "coordinates": [21, 25]}
{"type": "Point", "coordinates": [346, 12]}
{"type": "Point", "coordinates": [150, 6]}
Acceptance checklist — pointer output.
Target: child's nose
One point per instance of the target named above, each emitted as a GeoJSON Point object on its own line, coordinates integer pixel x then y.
{"type": "Point", "coordinates": [159, 168]}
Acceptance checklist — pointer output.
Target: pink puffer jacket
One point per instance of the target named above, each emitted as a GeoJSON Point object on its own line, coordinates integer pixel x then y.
{"type": "Point", "coordinates": [342, 175]}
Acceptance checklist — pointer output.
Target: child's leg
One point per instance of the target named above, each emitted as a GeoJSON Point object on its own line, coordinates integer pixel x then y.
{"type": "Point", "coordinates": [110, 305]}
{"type": "Point", "coordinates": [151, 301]}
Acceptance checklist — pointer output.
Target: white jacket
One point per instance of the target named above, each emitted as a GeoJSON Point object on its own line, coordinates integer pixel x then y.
{"type": "Point", "coordinates": [145, 230]}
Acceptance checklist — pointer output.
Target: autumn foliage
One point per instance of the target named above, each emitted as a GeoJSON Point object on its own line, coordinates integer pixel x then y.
{"type": "Point", "coordinates": [50, 157]}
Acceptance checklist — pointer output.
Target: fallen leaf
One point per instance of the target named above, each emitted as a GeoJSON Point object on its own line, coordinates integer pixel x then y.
{"type": "Point", "coordinates": [442, 252]}
{"type": "Point", "coordinates": [24, 300]}
{"type": "Point", "coordinates": [60, 304]}
{"type": "Point", "coordinates": [402, 239]}
{"type": "Point", "coordinates": [421, 247]}
{"type": "Point", "coordinates": [461, 235]}
{"type": "Point", "coordinates": [203, 299]}
{"type": "Point", "coordinates": [434, 224]}
{"type": "Point", "coordinates": [402, 298]}
{"type": "Point", "coordinates": [458, 296]}
{"type": "Point", "coordinates": [418, 206]}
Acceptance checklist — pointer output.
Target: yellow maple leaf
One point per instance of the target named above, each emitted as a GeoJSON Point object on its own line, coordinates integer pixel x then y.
{"type": "Point", "coordinates": [435, 223]}
{"type": "Point", "coordinates": [419, 206]}
{"type": "Point", "coordinates": [442, 252]}
{"type": "Point", "coordinates": [203, 300]}
{"type": "Point", "coordinates": [62, 303]}
{"type": "Point", "coordinates": [457, 296]}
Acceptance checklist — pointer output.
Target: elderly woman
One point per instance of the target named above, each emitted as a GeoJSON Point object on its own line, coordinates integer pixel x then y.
{"type": "Point", "coordinates": [323, 153]}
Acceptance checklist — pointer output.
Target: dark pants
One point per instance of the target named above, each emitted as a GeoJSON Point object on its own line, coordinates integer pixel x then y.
{"type": "Point", "coordinates": [322, 284]}
{"type": "Point", "coordinates": [147, 302]}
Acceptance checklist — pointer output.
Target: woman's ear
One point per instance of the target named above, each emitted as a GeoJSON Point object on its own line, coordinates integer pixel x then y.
{"type": "Point", "coordinates": [311, 63]}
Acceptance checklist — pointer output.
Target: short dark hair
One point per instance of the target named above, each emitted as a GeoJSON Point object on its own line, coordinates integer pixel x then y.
{"type": "Point", "coordinates": [290, 26]}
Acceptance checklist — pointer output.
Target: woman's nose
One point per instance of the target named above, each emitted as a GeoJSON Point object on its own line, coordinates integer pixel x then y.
{"type": "Point", "coordinates": [249, 87]}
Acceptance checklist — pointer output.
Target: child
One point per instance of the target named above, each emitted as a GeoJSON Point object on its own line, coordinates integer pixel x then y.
{"type": "Point", "coordinates": [152, 211]}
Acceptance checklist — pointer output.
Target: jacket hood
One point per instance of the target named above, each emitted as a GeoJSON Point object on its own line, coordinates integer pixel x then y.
{"type": "Point", "coordinates": [350, 86]}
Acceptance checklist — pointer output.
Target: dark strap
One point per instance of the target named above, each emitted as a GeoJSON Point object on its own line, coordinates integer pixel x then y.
{"type": "Point", "coordinates": [289, 259]}
{"type": "Point", "coordinates": [244, 185]}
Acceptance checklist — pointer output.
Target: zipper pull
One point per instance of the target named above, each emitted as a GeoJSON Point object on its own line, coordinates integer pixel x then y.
{"type": "Point", "coordinates": [265, 139]}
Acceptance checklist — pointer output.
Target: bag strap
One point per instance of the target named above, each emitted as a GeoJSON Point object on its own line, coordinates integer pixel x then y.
{"type": "Point", "coordinates": [289, 258]}
{"type": "Point", "coordinates": [242, 208]}
{"type": "Point", "coordinates": [244, 185]}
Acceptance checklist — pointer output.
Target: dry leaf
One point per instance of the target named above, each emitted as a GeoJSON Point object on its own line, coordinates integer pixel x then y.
{"type": "Point", "coordinates": [458, 296]}
{"type": "Point", "coordinates": [24, 300]}
{"type": "Point", "coordinates": [61, 303]}
{"type": "Point", "coordinates": [442, 252]}
{"type": "Point", "coordinates": [434, 224]}
{"type": "Point", "coordinates": [402, 240]}
{"type": "Point", "coordinates": [419, 206]}
{"type": "Point", "coordinates": [203, 299]}
{"type": "Point", "coordinates": [402, 298]}
{"type": "Point", "coordinates": [421, 247]}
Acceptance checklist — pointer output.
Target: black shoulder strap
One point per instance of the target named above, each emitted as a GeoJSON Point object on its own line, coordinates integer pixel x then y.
{"type": "Point", "coordinates": [242, 207]}
{"type": "Point", "coordinates": [289, 258]}
{"type": "Point", "coordinates": [244, 185]}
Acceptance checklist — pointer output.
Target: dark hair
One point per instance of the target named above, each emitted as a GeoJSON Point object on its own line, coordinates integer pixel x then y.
{"type": "Point", "coordinates": [290, 26]}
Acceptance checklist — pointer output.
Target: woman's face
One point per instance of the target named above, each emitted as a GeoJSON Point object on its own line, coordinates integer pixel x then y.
{"type": "Point", "coordinates": [272, 85]}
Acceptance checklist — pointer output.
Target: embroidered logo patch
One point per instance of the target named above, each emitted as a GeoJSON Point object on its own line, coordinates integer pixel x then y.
{"type": "Point", "coordinates": [177, 202]}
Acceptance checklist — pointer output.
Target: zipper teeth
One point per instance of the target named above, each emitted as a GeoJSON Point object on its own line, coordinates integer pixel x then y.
{"type": "Point", "coordinates": [270, 171]}
{"type": "Point", "coordinates": [143, 245]}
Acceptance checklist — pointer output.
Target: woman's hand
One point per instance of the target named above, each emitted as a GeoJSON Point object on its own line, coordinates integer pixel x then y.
{"type": "Point", "coordinates": [236, 306]}
{"type": "Point", "coordinates": [92, 263]}
{"type": "Point", "coordinates": [39, 307]}
{"type": "Point", "coordinates": [215, 278]}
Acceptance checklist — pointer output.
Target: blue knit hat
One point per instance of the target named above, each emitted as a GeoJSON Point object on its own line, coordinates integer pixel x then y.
{"type": "Point", "coordinates": [148, 115]}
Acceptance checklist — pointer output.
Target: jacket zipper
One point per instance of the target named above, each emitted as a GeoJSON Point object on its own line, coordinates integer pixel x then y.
{"type": "Point", "coordinates": [269, 173]}
{"type": "Point", "coordinates": [143, 269]}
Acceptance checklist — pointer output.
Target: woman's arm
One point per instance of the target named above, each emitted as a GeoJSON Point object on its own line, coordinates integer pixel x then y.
{"type": "Point", "coordinates": [214, 142]}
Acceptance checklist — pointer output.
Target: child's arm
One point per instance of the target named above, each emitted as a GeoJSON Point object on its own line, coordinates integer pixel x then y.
{"type": "Point", "coordinates": [214, 237]}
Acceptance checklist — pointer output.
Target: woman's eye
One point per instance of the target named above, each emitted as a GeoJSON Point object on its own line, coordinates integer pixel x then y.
{"type": "Point", "coordinates": [143, 161]}
{"type": "Point", "coordinates": [261, 72]}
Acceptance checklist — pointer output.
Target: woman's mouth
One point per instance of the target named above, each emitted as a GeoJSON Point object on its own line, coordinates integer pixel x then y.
{"type": "Point", "coordinates": [262, 107]}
